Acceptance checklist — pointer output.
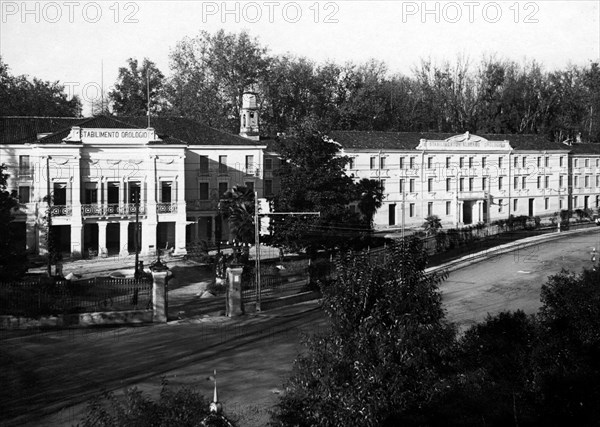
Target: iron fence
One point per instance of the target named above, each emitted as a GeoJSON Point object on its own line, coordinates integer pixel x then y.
{"type": "Point", "coordinates": [41, 296]}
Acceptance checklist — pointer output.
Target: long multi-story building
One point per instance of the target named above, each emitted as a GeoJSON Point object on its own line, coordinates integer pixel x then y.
{"type": "Point", "coordinates": [100, 173]}
{"type": "Point", "coordinates": [466, 179]}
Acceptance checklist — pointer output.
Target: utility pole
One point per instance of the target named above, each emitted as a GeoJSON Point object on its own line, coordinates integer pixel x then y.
{"type": "Point", "coordinates": [257, 249]}
{"type": "Point", "coordinates": [136, 235]}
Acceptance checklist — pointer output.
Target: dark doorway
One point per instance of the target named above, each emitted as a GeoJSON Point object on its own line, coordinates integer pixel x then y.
{"type": "Point", "coordinates": [586, 202]}
{"type": "Point", "coordinates": [392, 215]}
{"type": "Point", "coordinates": [165, 235]}
{"type": "Point", "coordinates": [113, 235]}
{"type": "Point", "coordinates": [467, 212]}
{"type": "Point", "coordinates": [18, 230]}
{"type": "Point", "coordinates": [62, 235]}
{"type": "Point", "coordinates": [485, 211]}
{"type": "Point", "coordinates": [112, 197]}
{"type": "Point", "coordinates": [531, 204]}
{"type": "Point", "coordinates": [131, 236]}
{"type": "Point", "coordinates": [90, 238]}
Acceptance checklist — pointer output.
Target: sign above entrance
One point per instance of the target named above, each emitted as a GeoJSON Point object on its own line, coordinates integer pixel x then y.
{"type": "Point", "coordinates": [112, 136]}
{"type": "Point", "coordinates": [465, 142]}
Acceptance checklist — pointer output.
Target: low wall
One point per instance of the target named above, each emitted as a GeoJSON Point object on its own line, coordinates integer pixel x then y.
{"type": "Point", "coordinates": [78, 320]}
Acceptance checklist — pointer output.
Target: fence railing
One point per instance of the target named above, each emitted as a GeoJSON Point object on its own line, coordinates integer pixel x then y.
{"type": "Point", "coordinates": [41, 296]}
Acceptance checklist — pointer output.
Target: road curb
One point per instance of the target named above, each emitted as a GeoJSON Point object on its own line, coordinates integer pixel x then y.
{"type": "Point", "coordinates": [502, 249]}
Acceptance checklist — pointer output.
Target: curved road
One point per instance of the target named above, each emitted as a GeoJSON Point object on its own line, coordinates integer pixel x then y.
{"type": "Point", "coordinates": [513, 280]}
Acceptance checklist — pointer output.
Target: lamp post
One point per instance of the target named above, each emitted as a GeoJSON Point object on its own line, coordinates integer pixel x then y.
{"type": "Point", "coordinates": [136, 235]}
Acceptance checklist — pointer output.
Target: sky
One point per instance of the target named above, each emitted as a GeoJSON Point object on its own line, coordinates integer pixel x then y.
{"type": "Point", "coordinates": [83, 43]}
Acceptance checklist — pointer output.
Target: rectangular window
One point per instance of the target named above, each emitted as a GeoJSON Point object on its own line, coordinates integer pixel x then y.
{"type": "Point", "coordinates": [576, 163]}
{"type": "Point", "coordinates": [401, 186]}
{"type": "Point", "coordinates": [429, 162]}
{"type": "Point", "coordinates": [539, 162]}
{"type": "Point", "coordinates": [372, 162]}
{"type": "Point", "coordinates": [24, 166]}
{"type": "Point", "coordinates": [429, 208]}
{"type": "Point", "coordinates": [561, 161]}
{"type": "Point", "coordinates": [524, 161]}
{"type": "Point", "coordinates": [524, 183]}
{"type": "Point", "coordinates": [470, 162]}
{"type": "Point", "coordinates": [448, 205]}
{"type": "Point", "coordinates": [401, 162]}
{"type": "Point", "coordinates": [560, 203]}
{"type": "Point", "coordinates": [560, 180]}
{"type": "Point", "coordinates": [483, 162]}
{"type": "Point", "coordinates": [597, 180]}
{"type": "Point", "coordinates": [515, 205]}
{"type": "Point", "coordinates": [113, 193]}
{"type": "Point", "coordinates": [546, 203]}
{"type": "Point", "coordinates": [461, 184]}
{"type": "Point", "coordinates": [268, 187]}
{"type": "Point", "coordinates": [516, 161]}
{"type": "Point", "coordinates": [382, 163]}
{"type": "Point", "coordinates": [500, 179]}
{"type": "Point", "coordinates": [222, 188]}
{"type": "Point", "coordinates": [430, 184]}
{"type": "Point", "coordinates": [576, 183]}
{"type": "Point", "coordinates": [412, 162]}
{"type": "Point", "coordinates": [91, 193]}
{"type": "Point", "coordinates": [203, 166]}
{"type": "Point", "coordinates": [351, 163]}
{"type": "Point", "coordinates": [575, 201]}
{"type": "Point", "coordinates": [462, 162]}
{"type": "Point", "coordinates": [539, 182]}
{"type": "Point", "coordinates": [24, 194]}
{"type": "Point", "coordinates": [484, 184]}
{"type": "Point", "coordinates": [411, 210]}
{"type": "Point", "coordinates": [269, 163]}
{"type": "Point", "coordinates": [382, 183]}
{"type": "Point", "coordinates": [499, 162]}
{"type": "Point", "coordinates": [249, 164]}
{"type": "Point", "coordinates": [412, 186]}
{"type": "Point", "coordinates": [165, 191]}
{"type": "Point", "coordinates": [516, 182]}
{"type": "Point", "coordinates": [500, 205]}
{"type": "Point", "coordinates": [587, 182]}
{"type": "Point", "coordinates": [546, 181]}
{"type": "Point", "coordinates": [222, 164]}
{"type": "Point", "coordinates": [470, 184]}
{"type": "Point", "coordinates": [203, 190]}
{"type": "Point", "coordinates": [448, 184]}
{"type": "Point", "coordinates": [448, 159]}
{"type": "Point", "coordinates": [587, 163]}
{"type": "Point", "coordinates": [547, 161]}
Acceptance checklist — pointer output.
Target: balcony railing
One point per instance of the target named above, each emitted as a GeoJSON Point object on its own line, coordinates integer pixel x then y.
{"type": "Point", "coordinates": [61, 210]}
{"type": "Point", "coordinates": [170, 207]}
{"type": "Point", "coordinates": [95, 210]}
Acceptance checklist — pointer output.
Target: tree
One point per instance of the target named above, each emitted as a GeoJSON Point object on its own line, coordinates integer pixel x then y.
{"type": "Point", "coordinates": [432, 225]}
{"type": "Point", "coordinates": [13, 261]}
{"type": "Point", "coordinates": [371, 198]}
{"type": "Point", "coordinates": [237, 205]}
{"type": "Point", "coordinates": [385, 349]}
{"type": "Point", "coordinates": [210, 75]}
{"type": "Point", "coordinates": [130, 95]}
{"type": "Point", "coordinates": [22, 96]}
{"type": "Point", "coordinates": [313, 180]}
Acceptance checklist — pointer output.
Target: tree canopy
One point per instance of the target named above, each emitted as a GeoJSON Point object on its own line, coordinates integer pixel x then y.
{"type": "Point", "coordinates": [23, 96]}
{"type": "Point", "coordinates": [13, 261]}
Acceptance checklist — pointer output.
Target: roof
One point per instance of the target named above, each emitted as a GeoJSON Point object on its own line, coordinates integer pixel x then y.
{"type": "Point", "coordinates": [171, 130]}
{"type": "Point", "coordinates": [410, 140]}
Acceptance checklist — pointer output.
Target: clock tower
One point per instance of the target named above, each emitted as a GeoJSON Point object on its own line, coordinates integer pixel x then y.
{"type": "Point", "coordinates": [249, 116]}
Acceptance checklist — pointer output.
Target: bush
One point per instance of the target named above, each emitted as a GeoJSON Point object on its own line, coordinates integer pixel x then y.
{"type": "Point", "coordinates": [184, 407]}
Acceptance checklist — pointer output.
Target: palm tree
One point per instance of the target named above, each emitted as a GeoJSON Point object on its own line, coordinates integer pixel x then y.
{"type": "Point", "coordinates": [237, 205]}
{"type": "Point", "coordinates": [432, 224]}
{"type": "Point", "coordinates": [371, 198]}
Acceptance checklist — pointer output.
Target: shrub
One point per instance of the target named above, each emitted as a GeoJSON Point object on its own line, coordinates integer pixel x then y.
{"type": "Point", "coordinates": [183, 407]}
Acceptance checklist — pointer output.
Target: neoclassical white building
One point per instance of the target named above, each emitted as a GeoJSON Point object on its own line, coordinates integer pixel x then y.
{"type": "Point", "coordinates": [466, 179]}
{"type": "Point", "coordinates": [103, 172]}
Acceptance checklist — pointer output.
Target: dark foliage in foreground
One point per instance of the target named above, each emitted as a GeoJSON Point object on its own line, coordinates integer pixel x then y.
{"type": "Point", "coordinates": [391, 359]}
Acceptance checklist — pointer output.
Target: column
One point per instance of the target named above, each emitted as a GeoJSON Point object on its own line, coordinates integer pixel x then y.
{"type": "Point", "coordinates": [159, 294]}
{"type": "Point", "coordinates": [124, 238]}
{"type": "Point", "coordinates": [479, 211]}
{"type": "Point", "coordinates": [181, 220]}
{"type": "Point", "coordinates": [148, 238]}
{"type": "Point", "coordinates": [121, 194]}
{"type": "Point", "coordinates": [180, 225]}
{"type": "Point", "coordinates": [460, 212]}
{"type": "Point", "coordinates": [102, 238]}
{"type": "Point", "coordinates": [76, 239]}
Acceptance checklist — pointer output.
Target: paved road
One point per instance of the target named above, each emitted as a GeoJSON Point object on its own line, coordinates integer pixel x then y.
{"type": "Point", "coordinates": [513, 280]}
{"type": "Point", "coordinates": [50, 372]}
